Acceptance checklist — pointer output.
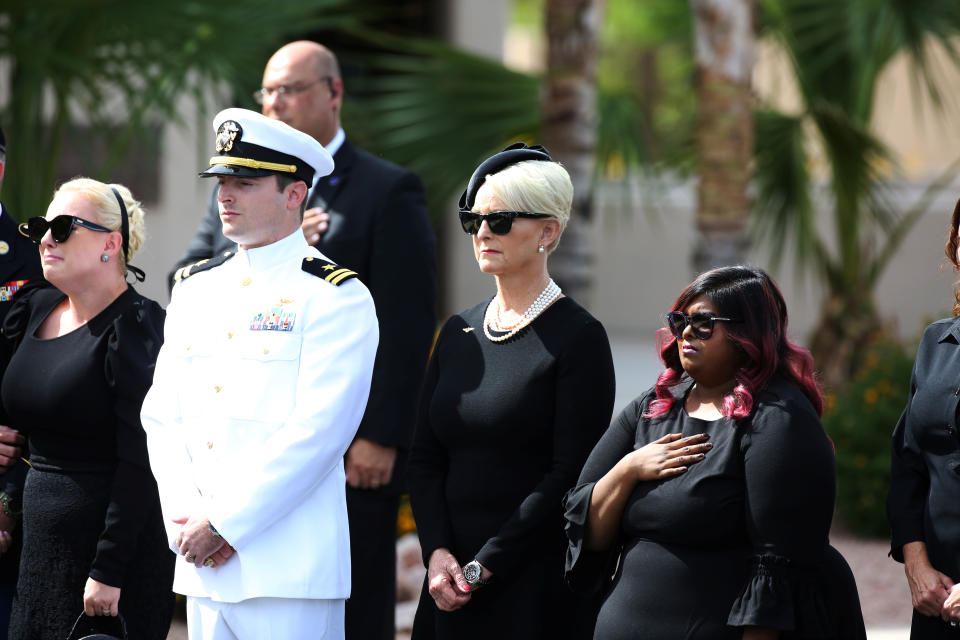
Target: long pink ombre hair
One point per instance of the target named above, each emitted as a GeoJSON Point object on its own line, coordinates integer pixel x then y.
{"type": "Point", "coordinates": [749, 295]}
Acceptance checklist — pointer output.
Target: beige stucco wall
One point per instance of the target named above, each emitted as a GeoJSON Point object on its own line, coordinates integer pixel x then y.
{"type": "Point", "coordinates": [643, 245]}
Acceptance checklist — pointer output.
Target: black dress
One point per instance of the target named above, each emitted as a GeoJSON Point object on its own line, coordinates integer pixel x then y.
{"type": "Point", "coordinates": [90, 503]}
{"type": "Point", "coordinates": [503, 432]}
{"type": "Point", "coordinates": [738, 540]}
{"type": "Point", "coordinates": [925, 465]}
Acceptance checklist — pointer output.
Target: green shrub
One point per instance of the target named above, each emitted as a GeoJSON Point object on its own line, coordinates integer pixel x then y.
{"type": "Point", "coordinates": [860, 421]}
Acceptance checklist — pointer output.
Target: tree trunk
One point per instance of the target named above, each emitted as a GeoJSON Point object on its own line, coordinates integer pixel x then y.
{"type": "Point", "coordinates": [848, 327]}
{"type": "Point", "coordinates": [569, 130]}
{"type": "Point", "coordinates": [724, 41]}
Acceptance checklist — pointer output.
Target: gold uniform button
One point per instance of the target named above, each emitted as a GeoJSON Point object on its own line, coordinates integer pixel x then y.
{"type": "Point", "coordinates": [246, 281]}
{"type": "Point", "coordinates": [266, 351]}
{"type": "Point", "coordinates": [217, 388]}
{"type": "Point", "coordinates": [229, 334]}
{"type": "Point", "coordinates": [209, 445]}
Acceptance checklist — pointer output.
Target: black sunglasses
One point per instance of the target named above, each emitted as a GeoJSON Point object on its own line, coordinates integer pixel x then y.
{"type": "Point", "coordinates": [500, 222]}
{"type": "Point", "coordinates": [700, 322]}
{"type": "Point", "coordinates": [60, 227]}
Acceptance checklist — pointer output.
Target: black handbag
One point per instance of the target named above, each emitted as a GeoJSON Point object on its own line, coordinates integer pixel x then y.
{"type": "Point", "coordinates": [98, 628]}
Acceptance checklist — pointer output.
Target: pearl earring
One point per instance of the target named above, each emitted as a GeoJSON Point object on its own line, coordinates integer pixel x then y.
{"type": "Point", "coordinates": [104, 257]}
{"type": "Point", "coordinates": [540, 249]}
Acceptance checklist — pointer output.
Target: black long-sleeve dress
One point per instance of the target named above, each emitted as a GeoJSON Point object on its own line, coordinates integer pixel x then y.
{"type": "Point", "coordinates": [924, 500]}
{"type": "Point", "coordinates": [738, 540]}
{"type": "Point", "coordinates": [90, 503]}
{"type": "Point", "coordinates": [504, 429]}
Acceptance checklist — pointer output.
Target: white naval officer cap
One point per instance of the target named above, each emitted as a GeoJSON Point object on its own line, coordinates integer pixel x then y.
{"type": "Point", "coordinates": [250, 144]}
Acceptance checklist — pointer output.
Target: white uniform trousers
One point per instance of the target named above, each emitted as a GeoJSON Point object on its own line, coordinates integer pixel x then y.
{"type": "Point", "coordinates": [265, 619]}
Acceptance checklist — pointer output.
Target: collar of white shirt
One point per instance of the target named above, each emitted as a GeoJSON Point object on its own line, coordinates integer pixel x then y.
{"type": "Point", "coordinates": [271, 255]}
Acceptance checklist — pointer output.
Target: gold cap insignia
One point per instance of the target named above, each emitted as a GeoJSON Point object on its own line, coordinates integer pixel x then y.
{"type": "Point", "coordinates": [227, 134]}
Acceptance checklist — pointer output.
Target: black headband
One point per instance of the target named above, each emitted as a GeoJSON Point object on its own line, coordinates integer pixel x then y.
{"type": "Point", "coordinates": [125, 234]}
{"type": "Point", "coordinates": [516, 152]}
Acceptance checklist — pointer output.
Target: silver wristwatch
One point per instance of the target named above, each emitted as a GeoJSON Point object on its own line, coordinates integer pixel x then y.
{"type": "Point", "coordinates": [472, 572]}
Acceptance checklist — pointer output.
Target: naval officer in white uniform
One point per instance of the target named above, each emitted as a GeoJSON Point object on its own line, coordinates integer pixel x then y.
{"type": "Point", "coordinates": [258, 391]}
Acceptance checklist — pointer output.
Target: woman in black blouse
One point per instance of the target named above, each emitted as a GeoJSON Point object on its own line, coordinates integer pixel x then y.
{"type": "Point", "coordinates": [923, 505]}
{"type": "Point", "coordinates": [518, 390]}
{"type": "Point", "coordinates": [712, 493]}
{"type": "Point", "coordinates": [83, 356]}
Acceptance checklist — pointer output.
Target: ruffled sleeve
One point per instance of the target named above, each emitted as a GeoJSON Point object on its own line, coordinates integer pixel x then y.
{"type": "Point", "coordinates": [782, 596]}
{"type": "Point", "coordinates": [791, 481]}
{"type": "Point", "coordinates": [587, 571]}
{"type": "Point", "coordinates": [133, 342]}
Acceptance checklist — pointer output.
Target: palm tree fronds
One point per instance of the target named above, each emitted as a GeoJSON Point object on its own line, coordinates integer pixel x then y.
{"type": "Point", "coordinates": [783, 209]}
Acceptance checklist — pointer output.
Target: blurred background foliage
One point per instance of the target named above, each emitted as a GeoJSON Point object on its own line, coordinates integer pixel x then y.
{"type": "Point", "coordinates": [117, 69]}
{"type": "Point", "coordinates": [860, 421]}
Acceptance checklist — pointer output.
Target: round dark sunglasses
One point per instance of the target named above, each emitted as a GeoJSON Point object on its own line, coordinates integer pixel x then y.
{"type": "Point", "coordinates": [500, 222]}
{"type": "Point", "coordinates": [701, 323]}
{"type": "Point", "coordinates": [60, 227]}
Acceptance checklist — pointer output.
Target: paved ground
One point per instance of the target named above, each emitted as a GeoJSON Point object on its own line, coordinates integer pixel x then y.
{"type": "Point", "coordinates": [884, 595]}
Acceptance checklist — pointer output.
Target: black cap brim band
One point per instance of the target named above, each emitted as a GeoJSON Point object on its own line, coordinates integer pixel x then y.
{"type": "Point", "coordinates": [248, 160]}
{"type": "Point", "coordinates": [516, 152]}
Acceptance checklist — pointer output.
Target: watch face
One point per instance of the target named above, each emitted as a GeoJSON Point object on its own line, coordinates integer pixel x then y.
{"type": "Point", "coordinates": [471, 573]}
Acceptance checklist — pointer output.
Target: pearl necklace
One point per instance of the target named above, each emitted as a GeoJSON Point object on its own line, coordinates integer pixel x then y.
{"type": "Point", "coordinates": [548, 296]}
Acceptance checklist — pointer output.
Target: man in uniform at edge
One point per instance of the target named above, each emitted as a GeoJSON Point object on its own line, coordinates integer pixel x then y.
{"type": "Point", "coordinates": [368, 215]}
{"type": "Point", "coordinates": [259, 388]}
{"type": "Point", "coordinates": [19, 264]}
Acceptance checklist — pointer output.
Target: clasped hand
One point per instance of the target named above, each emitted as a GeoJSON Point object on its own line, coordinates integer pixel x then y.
{"type": "Point", "coordinates": [445, 581]}
{"type": "Point", "coordinates": [197, 543]}
{"type": "Point", "coordinates": [369, 465]}
{"type": "Point", "coordinates": [10, 443]}
{"type": "Point", "coordinates": [951, 606]}
{"type": "Point", "coordinates": [315, 223]}
{"type": "Point", "coordinates": [932, 592]}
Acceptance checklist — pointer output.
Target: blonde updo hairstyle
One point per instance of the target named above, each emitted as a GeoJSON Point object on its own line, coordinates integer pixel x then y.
{"type": "Point", "coordinates": [538, 187]}
{"type": "Point", "coordinates": [105, 203]}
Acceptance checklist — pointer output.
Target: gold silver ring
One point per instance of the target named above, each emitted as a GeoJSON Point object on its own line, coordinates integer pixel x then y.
{"type": "Point", "coordinates": [189, 557]}
{"type": "Point", "coordinates": [210, 562]}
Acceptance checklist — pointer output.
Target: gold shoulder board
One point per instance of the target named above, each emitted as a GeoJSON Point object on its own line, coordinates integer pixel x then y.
{"type": "Point", "coordinates": [192, 269]}
{"type": "Point", "coordinates": [332, 273]}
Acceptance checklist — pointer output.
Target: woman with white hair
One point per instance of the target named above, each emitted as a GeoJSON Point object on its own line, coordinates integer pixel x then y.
{"type": "Point", "coordinates": [518, 390]}
{"type": "Point", "coordinates": [80, 360]}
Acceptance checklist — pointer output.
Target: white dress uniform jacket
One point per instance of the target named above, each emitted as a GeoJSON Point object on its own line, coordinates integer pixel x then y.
{"type": "Point", "coordinates": [258, 391]}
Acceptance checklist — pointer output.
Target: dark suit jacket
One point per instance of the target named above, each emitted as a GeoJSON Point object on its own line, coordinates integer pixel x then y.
{"type": "Point", "coordinates": [379, 228]}
{"type": "Point", "coordinates": [19, 259]}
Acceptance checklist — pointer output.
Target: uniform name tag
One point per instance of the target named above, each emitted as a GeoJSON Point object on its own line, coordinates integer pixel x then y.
{"type": "Point", "coordinates": [277, 319]}
{"type": "Point", "coordinates": [10, 288]}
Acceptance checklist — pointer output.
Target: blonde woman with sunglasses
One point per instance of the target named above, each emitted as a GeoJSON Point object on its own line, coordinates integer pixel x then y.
{"type": "Point", "coordinates": [80, 354]}
{"type": "Point", "coordinates": [517, 392]}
